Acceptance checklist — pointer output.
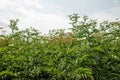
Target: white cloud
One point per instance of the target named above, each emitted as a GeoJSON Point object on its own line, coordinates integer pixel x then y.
{"type": "Point", "coordinates": [32, 13]}
{"type": "Point", "coordinates": [42, 15]}
{"type": "Point", "coordinates": [101, 16]}
{"type": "Point", "coordinates": [109, 14]}
{"type": "Point", "coordinates": [115, 1]}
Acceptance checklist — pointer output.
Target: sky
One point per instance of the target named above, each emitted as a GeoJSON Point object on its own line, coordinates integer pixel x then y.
{"type": "Point", "coordinates": [46, 15]}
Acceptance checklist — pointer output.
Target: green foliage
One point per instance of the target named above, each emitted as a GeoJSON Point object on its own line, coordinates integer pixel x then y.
{"type": "Point", "coordinates": [6, 75]}
{"type": "Point", "coordinates": [91, 51]}
{"type": "Point", "coordinates": [13, 25]}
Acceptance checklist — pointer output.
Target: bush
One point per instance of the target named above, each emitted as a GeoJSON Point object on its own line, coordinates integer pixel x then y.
{"type": "Point", "coordinates": [89, 52]}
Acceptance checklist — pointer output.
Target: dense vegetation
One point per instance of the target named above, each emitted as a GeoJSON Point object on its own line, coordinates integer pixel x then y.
{"type": "Point", "coordinates": [91, 51]}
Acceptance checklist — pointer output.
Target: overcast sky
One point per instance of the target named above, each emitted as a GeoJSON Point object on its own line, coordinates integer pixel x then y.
{"type": "Point", "coordinates": [52, 14]}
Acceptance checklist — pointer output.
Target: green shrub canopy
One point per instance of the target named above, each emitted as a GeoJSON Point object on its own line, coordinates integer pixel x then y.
{"type": "Point", "coordinates": [91, 51]}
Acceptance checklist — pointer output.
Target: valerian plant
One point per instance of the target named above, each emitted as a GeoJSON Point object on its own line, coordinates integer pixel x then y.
{"type": "Point", "coordinates": [91, 51]}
